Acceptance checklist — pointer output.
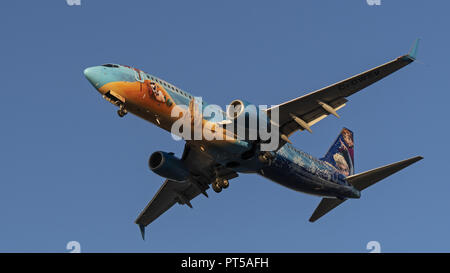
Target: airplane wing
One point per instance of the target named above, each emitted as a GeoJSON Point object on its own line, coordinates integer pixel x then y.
{"type": "Point", "coordinates": [169, 194]}
{"type": "Point", "coordinates": [203, 172]}
{"type": "Point", "coordinates": [305, 111]}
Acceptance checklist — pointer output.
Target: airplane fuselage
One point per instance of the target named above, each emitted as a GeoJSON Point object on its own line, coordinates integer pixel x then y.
{"type": "Point", "coordinates": [153, 99]}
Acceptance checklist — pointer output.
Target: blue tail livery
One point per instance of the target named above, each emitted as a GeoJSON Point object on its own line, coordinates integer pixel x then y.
{"type": "Point", "coordinates": [341, 153]}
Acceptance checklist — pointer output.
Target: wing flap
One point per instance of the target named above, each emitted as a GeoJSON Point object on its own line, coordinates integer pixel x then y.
{"type": "Point", "coordinates": [312, 117]}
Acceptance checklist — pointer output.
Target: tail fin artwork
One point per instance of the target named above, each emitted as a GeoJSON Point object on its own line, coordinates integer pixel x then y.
{"type": "Point", "coordinates": [362, 181]}
{"type": "Point", "coordinates": [341, 155]}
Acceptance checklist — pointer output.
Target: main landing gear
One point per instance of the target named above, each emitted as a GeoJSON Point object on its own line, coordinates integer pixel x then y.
{"type": "Point", "coordinates": [122, 111]}
{"type": "Point", "coordinates": [220, 184]}
{"type": "Point", "coordinates": [266, 158]}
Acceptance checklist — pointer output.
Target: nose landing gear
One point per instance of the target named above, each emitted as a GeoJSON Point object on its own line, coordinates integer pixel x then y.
{"type": "Point", "coordinates": [122, 111]}
{"type": "Point", "coordinates": [117, 100]}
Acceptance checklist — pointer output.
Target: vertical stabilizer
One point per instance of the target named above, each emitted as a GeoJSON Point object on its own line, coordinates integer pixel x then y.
{"type": "Point", "coordinates": [341, 153]}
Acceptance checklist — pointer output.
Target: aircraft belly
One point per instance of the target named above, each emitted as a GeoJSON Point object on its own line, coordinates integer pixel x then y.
{"type": "Point", "coordinates": [295, 181]}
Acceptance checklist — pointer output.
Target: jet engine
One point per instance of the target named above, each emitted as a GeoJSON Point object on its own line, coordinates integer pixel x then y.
{"type": "Point", "coordinates": [247, 118]}
{"type": "Point", "coordinates": [168, 166]}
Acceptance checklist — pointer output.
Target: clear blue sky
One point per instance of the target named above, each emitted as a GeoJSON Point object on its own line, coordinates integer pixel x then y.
{"type": "Point", "coordinates": [72, 170]}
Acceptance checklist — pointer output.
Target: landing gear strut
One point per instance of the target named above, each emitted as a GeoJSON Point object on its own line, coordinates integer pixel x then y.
{"type": "Point", "coordinates": [122, 111]}
{"type": "Point", "coordinates": [216, 187]}
{"type": "Point", "coordinates": [266, 158]}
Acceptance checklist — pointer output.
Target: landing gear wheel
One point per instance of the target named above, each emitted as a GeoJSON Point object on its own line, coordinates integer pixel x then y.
{"type": "Point", "coordinates": [265, 158]}
{"type": "Point", "coordinates": [224, 183]}
{"type": "Point", "coordinates": [122, 111]}
{"type": "Point", "coordinates": [216, 187]}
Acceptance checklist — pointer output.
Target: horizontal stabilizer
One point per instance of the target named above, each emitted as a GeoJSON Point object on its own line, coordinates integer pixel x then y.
{"type": "Point", "coordinates": [362, 181]}
{"type": "Point", "coordinates": [366, 179]}
{"type": "Point", "coordinates": [324, 207]}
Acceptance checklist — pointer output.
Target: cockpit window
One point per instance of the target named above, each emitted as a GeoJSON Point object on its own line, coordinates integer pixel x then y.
{"type": "Point", "coordinates": [111, 65]}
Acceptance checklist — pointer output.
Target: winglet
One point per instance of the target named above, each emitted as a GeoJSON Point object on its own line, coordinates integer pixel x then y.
{"type": "Point", "coordinates": [413, 51]}
{"type": "Point", "coordinates": [142, 228]}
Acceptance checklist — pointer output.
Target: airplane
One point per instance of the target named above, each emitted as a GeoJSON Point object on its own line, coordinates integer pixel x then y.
{"type": "Point", "coordinates": [206, 163]}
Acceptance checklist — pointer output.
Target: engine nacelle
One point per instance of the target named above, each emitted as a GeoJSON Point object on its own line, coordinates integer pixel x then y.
{"type": "Point", "coordinates": [168, 166]}
{"type": "Point", "coordinates": [237, 108]}
{"type": "Point", "coordinates": [247, 118]}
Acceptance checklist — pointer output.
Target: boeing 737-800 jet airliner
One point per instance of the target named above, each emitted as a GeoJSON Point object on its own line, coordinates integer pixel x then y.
{"type": "Point", "coordinates": [215, 162]}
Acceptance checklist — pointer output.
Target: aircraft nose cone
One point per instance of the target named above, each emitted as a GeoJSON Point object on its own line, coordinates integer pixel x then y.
{"type": "Point", "coordinates": [87, 72]}
{"type": "Point", "coordinates": [97, 76]}
{"type": "Point", "coordinates": [92, 75]}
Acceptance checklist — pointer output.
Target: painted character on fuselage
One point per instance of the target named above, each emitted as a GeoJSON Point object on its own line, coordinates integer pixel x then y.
{"type": "Point", "coordinates": [159, 95]}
